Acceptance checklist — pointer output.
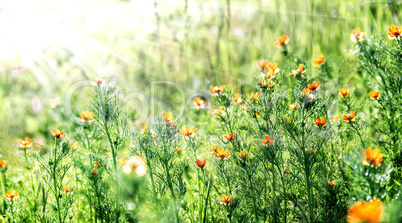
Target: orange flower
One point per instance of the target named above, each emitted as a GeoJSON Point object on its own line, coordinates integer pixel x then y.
{"type": "Point", "coordinates": [144, 128]}
{"type": "Point", "coordinates": [293, 106]}
{"type": "Point", "coordinates": [331, 183]}
{"type": "Point", "coordinates": [311, 150]}
{"type": "Point", "coordinates": [217, 90]}
{"type": "Point", "coordinates": [221, 153]}
{"type": "Point", "coordinates": [94, 172]}
{"type": "Point", "coordinates": [320, 122]}
{"type": "Point", "coordinates": [319, 60]}
{"type": "Point", "coordinates": [267, 140]}
{"type": "Point", "coordinates": [243, 155]}
{"type": "Point", "coordinates": [226, 200]}
{"type": "Point", "coordinates": [299, 71]}
{"type": "Point", "coordinates": [87, 116]}
{"type": "Point", "coordinates": [177, 150]}
{"type": "Point", "coordinates": [286, 171]}
{"type": "Point", "coordinates": [229, 136]}
{"type": "Point", "coordinates": [168, 117]}
{"type": "Point", "coordinates": [237, 99]}
{"type": "Point", "coordinates": [264, 64]}
{"type": "Point", "coordinates": [97, 164]}
{"type": "Point", "coordinates": [25, 143]}
{"type": "Point", "coordinates": [261, 64]}
{"type": "Point", "coordinates": [394, 32]}
{"type": "Point", "coordinates": [349, 117]}
{"type": "Point", "coordinates": [362, 211]}
{"type": "Point", "coordinates": [201, 164]}
{"type": "Point", "coordinates": [253, 96]}
{"type": "Point", "coordinates": [136, 164]}
{"type": "Point", "coordinates": [199, 103]}
{"type": "Point", "coordinates": [374, 94]}
{"type": "Point", "coordinates": [57, 134]}
{"type": "Point", "coordinates": [343, 92]}
{"type": "Point", "coordinates": [283, 40]}
{"type": "Point", "coordinates": [188, 132]}
{"type": "Point", "coordinates": [2, 163]}
{"type": "Point", "coordinates": [357, 35]}
{"type": "Point", "coordinates": [98, 81]}
{"type": "Point", "coordinates": [372, 158]}
{"type": "Point", "coordinates": [12, 194]}
{"type": "Point", "coordinates": [314, 86]}
{"type": "Point", "coordinates": [67, 189]}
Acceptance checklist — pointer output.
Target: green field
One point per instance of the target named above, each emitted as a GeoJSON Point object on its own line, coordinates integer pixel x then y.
{"type": "Point", "coordinates": [156, 57]}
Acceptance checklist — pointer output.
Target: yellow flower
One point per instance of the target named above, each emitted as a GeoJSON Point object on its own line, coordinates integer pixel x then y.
{"type": "Point", "coordinates": [357, 35]}
{"type": "Point", "coordinates": [283, 40]}
{"type": "Point", "coordinates": [264, 64]}
{"type": "Point", "coordinates": [219, 113]}
{"type": "Point", "coordinates": [319, 60]}
{"type": "Point", "coordinates": [73, 144]}
{"type": "Point", "coordinates": [299, 71]}
{"type": "Point", "coordinates": [220, 153]}
{"type": "Point", "coordinates": [362, 211]}
{"type": "Point", "coordinates": [237, 99]}
{"type": "Point", "coordinates": [57, 134]}
{"type": "Point", "coordinates": [372, 158]}
{"type": "Point", "coordinates": [25, 143]}
{"type": "Point", "coordinates": [343, 92]}
{"type": "Point", "coordinates": [122, 161]}
{"type": "Point", "coordinates": [266, 83]}
{"type": "Point", "coordinates": [168, 117]}
{"type": "Point", "coordinates": [253, 96]}
{"type": "Point", "coordinates": [293, 106]}
{"type": "Point", "coordinates": [67, 189]}
{"type": "Point", "coordinates": [188, 132]}
{"type": "Point", "coordinates": [374, 94]}
{"type": "Point", "coordinates": [12, 194]}
{"type": "Point", "coordinates": [335, 120]}
{"type": "Point", "coordinates": [144, 128]}
{"type": "Point", "coordinates": [394, 32]}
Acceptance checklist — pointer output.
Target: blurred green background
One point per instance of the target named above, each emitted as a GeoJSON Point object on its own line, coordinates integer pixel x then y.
{"type": "Point", "coordinates": [48, 46]}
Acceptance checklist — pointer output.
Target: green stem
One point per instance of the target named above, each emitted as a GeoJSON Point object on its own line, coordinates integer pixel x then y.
{"type": "Point", "coordinates": [56, 190]}
{"type": "Point", "coordinates": [274, 193]}
{"type": "Point", "coordinates": [117, 206]}
{"type": "Point", "coordinates": [171, 190]}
